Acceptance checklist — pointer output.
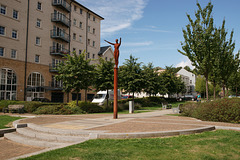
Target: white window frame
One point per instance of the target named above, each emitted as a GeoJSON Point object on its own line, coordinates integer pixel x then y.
{"type": "Point", "coordinates": [39, 23]}
{"type": "Point", "coordinates": [4, 31]}
{"type": "Point", "coordinates": [3, 8]}
{"type": "Point", "coordinates": [37, 58]}
{"type": "Point", "coordinates": [15, 14]}
{"type": "Point", "coordinates": [2, 53]}
{"type": "Point", "coordinates": [38, 41]}
{"type": "Point", "coordinates": [13, 53]}
{"type": "Point", "coordinates": [14, 34]}
{"type": "Point", "coordinates": [39, 4]}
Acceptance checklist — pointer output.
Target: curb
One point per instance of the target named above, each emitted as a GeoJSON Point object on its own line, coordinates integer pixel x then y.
{"type": "Point", "coordinates": [149, 134]}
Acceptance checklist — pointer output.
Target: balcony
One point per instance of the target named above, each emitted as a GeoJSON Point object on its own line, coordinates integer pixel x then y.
{"type": "Point", "coordinates": [62, 4]}
{"type": "Point", "coordinates": [58, 51]}
{"type": "Point", "coordinates": [53, 68]}
{"type": "Point", "coordinates": [55, 85]}
{"type": "Point", "coordinates": [60, 18]}
{"type": "Point", "coordinates": [60, 34]}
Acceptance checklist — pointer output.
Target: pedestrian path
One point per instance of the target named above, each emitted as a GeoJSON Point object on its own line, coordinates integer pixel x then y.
{"type": "Point", "coordinates": [50, 132]}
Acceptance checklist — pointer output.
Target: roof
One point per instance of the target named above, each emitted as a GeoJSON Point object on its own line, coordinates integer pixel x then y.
{"type": "Point", "coordinates": [87, 9]}
{"type": "Point", "coordinates": [103, 49]}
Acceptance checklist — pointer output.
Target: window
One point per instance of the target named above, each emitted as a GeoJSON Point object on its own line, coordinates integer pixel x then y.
{"type": "Point", "coordinates": [80, 38]}
{"type": "Point", "coordinates": [2, 30]}
{"type": "Point", "coordinates": [38, 41]}
{"type": "Point", "coordinates": [190, 81]}
{"type": "Point", "coordinates": [88, 55]}
{"type": "Point", "coordinates": [13, 53]}
{"type": "Point", "coordinates": [3, 9]}
{"type": "Point", "coordinates": [8, 84]}
{"type": "Point", "coordinates": [75, 8]}
{"type": "Point", "coordinates": [88, 41]}
{"type": "Point", "coordinates": [94, 30]}
{"type": "Point", "coordinates": [37, 58]}
{"type": "Point", "coordinates": [80, 51]}
{"type": "Point", "coordinates": [74, 36]}
{"type": "Point", "coordinates": [35, 83]}
{"type": "Point", "coordinates": [89, 16]}
{"type": "Point", "coordinates": [74, 22]}
{"type": "Point", "coordinates": [1, 51]}
{"type": "Point", "coordinates": [80, 24]}
{"type": "Point", "coordinates": [14, 34]}
{"type": "Point", "coordinates": [38, 23]}
{"type": "Point", "coordinates": [93, 56]}
{"type": "Point", "coordinates": [80, 11]}
{"type": "Point", "coordinates": [106, 58]}
{"type": "Point", "coordinates": [94, 18]}
{"type": "Point", "coordinates": [88, 28]}
{"type": "Point", "coordinates": [39, 6]}
{"type": "Point", "coordinates": [93, 44]}
{"type": "Point", "coordinates": [15, 14]}
{"type": "Point", "coordinates": [74, 49]}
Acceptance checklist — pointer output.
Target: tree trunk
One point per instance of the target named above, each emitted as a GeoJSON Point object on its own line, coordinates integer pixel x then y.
{"type": "Point", "coordinates": [67, 97]}
{"type": "Point", "coordinates": [236, 91]}
{"type": "Point", "coordinates": [207, 87]}
{"type": "Point", "coordinates": [214, 91]}
{"type": "Point", "coordinates": [107, 98]}
{"type": "Point", "coordinates": [223, 90]}
{"type": "Point", "coordinates": [77, 98]}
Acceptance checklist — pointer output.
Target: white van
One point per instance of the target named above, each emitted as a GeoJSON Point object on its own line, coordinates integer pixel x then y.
{"type": "Point", "coordinates": [101, 96]}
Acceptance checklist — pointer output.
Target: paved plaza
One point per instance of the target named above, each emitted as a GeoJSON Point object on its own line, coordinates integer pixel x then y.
{"type": "Point", "coordinates": [48, 132]}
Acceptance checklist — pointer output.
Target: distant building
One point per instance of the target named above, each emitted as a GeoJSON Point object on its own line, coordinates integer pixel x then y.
{"type": "Point", "coordinates": [34, 37]}
{"type": "Point", "coordinates": [189, 80]}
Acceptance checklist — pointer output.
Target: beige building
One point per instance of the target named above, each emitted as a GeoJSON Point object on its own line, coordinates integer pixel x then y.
{"type": "Point", "coordinates": [34, 37]}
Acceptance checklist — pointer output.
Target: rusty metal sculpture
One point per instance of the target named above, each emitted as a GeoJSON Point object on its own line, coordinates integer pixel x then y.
{"type": "Point", "coordinates": [116, 56]}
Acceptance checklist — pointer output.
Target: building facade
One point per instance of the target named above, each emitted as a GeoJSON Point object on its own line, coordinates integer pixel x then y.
{"type": "Point", "coordinates": [34, 37]}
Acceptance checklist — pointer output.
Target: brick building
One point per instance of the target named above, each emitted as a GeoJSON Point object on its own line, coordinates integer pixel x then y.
{"type": "Point", "coordinates": [34, 37]}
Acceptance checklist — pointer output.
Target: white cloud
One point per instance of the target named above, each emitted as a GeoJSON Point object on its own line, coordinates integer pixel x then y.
{"type": "Point", "coordinates": [118, 15]}
{"type": "Point", "coordinates": [184, 63]}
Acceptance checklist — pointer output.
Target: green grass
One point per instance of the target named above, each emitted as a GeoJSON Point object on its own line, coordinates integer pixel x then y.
{"type": "Point", "coordinates": [4, 120]}
{"type": "Point", "coordinates": [218, 145]}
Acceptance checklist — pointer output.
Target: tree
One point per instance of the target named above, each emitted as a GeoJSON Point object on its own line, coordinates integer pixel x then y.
{"type": "Point", "coordinates": [130, 76]}
{"type": "Point", "coordinates": [199, 38]}
{"type": "Point", "coordinates": [150, 77]}
{"type": "Point", "coordinates": [76, 73]}
{"type": "Point", "coordinates": [104, 76]}
{"type": "Point", "coordinates": [173, 84]}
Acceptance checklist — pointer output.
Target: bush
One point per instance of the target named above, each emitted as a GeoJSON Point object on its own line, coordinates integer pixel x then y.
{"type": "Point", "coordinates": [55, 109]}
{"type": "Point", "coordinates": [89, 107]}
{"type": "Point", "coordinates": [223, 110]}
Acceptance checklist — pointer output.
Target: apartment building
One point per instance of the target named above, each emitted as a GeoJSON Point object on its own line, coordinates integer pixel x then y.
{"type": "Point", "coordinates": [34, 37]}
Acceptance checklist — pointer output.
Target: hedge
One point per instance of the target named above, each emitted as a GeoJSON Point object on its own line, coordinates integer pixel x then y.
{"type": "Point", "coordinates": [223, 110]}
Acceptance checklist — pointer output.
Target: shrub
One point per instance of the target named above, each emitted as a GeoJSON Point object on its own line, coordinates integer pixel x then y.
{"type": "Point", "coordinates": [89, 107]}
{"type": "Point", "coordinates": [54, 109]}
{"type": "Point", "coordinates": [224, 110]}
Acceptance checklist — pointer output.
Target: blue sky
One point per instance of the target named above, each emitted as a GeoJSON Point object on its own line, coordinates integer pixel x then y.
{"type": "Point", "coordinates": [151, 30]}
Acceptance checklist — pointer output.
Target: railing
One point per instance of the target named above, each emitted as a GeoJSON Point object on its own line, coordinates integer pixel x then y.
{"type": "Point", "coordinates": [59, 17]}
{"type": "Point", "coordinates": [62, 3]}
{"type": "Point", "coordinates": [60, 35]}
{"type": "Point", "coordinates": [53, 67]}
{"type": "Point", "coordinates": [56, 84]}
{"type": "Point", "coordinates": [54, 50]}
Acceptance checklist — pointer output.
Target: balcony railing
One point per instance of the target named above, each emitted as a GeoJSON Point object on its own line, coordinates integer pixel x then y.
{"type": "Point", "coordinates": [62, 4]}
{"type": "Point", "coordinates": [61, 18]}
{"type": "Point", "coordinates": [53, 67]}
{"type": "Point", "coordinates": [59, 35]}
{"type": "Point", "coordinates": [56, 85]}
{"type": "Point", "coordinates": [59, 51]}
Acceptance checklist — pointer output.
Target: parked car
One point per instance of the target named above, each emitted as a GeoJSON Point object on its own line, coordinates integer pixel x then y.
{"type": "Point", "coordinates": [41, 100]}
{"type": "Point", "coordinates": [127, 96]}
{"type": "Point", "coordinates": [233, 96]}
{"type": "Point", "coordinates": [187, 98]}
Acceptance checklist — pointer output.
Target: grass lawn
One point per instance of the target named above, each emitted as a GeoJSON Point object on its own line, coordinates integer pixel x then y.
{"type": "Point", "coordinates": [217, 145]}
{"type": "Point", "coordinates": [4, 120]}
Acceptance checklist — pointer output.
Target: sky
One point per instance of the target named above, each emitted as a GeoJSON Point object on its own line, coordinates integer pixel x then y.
{"type": "Point", "coordinates": [151, 30]}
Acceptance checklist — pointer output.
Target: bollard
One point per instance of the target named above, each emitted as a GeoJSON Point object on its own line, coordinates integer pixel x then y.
{"type": "Point", "coordinates": [131, 106]}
